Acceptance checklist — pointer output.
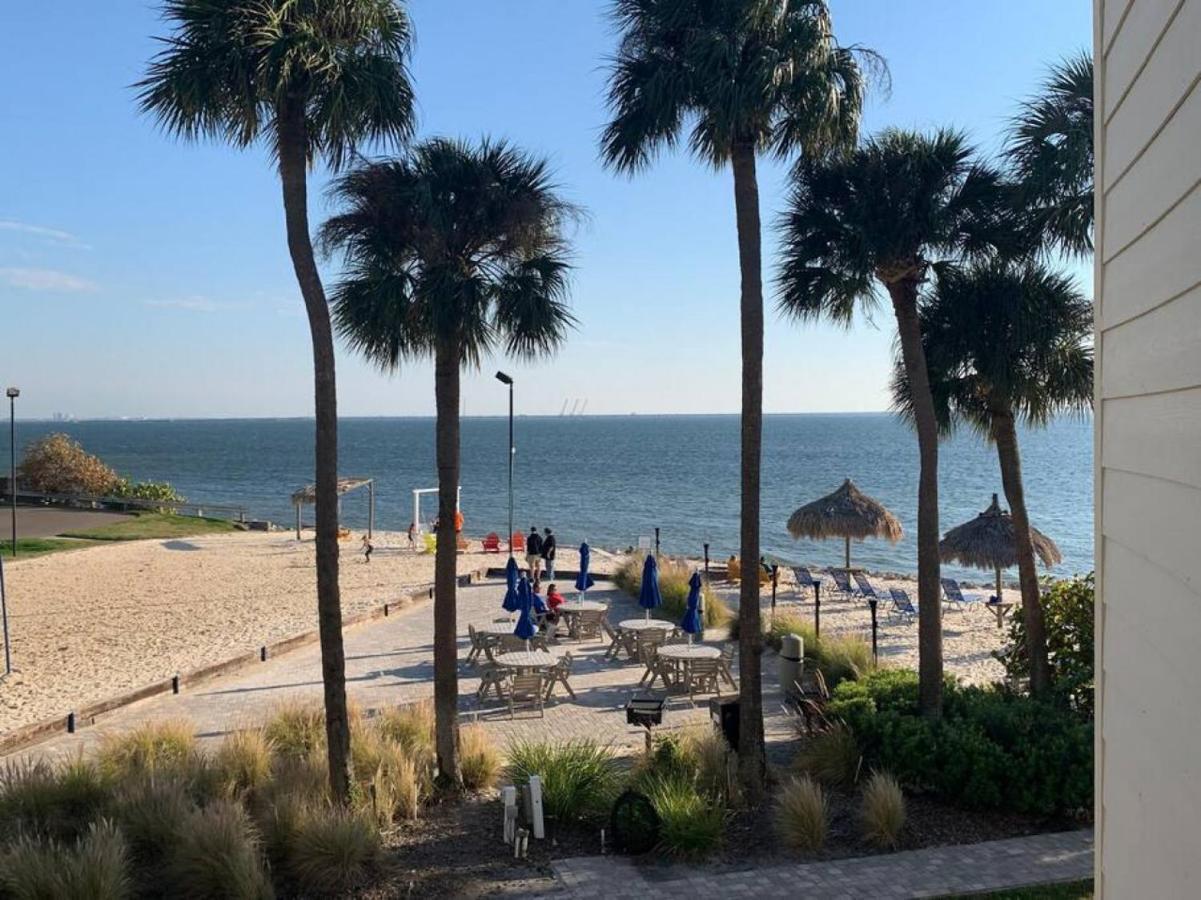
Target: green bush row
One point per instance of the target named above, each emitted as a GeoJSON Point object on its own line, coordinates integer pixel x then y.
{"type": "Point", "coordinates": [992, 749]}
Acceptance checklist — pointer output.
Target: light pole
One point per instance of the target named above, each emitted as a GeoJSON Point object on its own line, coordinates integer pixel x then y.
{"type": "Point", "coordinates": [12, 393]}
{"type": "Point", "coordinates": [507, 379]}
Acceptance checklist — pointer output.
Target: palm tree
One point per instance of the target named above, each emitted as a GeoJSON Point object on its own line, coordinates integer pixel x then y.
{"type": "Point", "coordinates": [1007, 342]}
{"type": "Point", "coordinates": [313, 79]}
{"type": "Point", "coordinates": [1050, 153]}
{"type": "Point", "coordinates": [452, 252]}
{"type": "Point", "coordinates": [750, 76]}
{"type": "Point", "coordinates": [884, 215]}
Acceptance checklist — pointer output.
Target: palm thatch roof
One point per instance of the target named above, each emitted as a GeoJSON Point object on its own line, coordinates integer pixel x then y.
{"type": "Point", "coordinates": [987, 542]}
{"type": "Point", "coordinates": [846, 513]}
{"type": "Point", "coordinates": [308, 494]}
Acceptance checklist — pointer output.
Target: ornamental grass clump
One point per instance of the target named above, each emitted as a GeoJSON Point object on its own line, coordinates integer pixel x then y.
{"type": "Point", "coordinates": [579, 778]}
{"type": "Point", "coordinates": [832, 757]}
{"type": "Point", "coordinates": [58, 802]}
{"type": "Point", "coordinates": [296, 730]}
{"type": "Point", "coordinates": [332, 851]}
{"type": "Point", "coordinates": [691, 824]}
{"type": "Point", "coordinates": [217, 854]}
{"type": "Point", "coordinates": [882, 813]}
{"type": "Point", "coordinates": [673, 587]}
{"type": "Point", "coordinates": [801, 814]}
{"type": "Point", "coordinates": [479, 760]}
{"type": "Point", "coordinates": [161, 748]}
{"type": "Point", "coordinates": [96, 867]}
{"type": "Point", "coordinates": [242, 765]}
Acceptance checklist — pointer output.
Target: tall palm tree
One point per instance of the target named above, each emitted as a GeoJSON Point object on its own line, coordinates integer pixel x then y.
{"type": "Point", "coordinates": [1050, 154]}
{"type": "Point", "coordinates": [453, 252]}
{"type": "Point", "coordinates": [312, 79]}
{"type": "Point", "coordinates": [883, 216]}
{"type": "Point", "coordinates": [750, 77]}
{"type": "Point", "coordinates": [1007, 342]}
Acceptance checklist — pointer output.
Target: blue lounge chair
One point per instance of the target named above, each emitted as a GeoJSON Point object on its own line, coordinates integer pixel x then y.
{"type": "Point", "coordinates": [865, 588]}
{"type": "Point", "coordinates": [955, 598]}
{"type": "Point", "coordinates": [902, 606]}
{"type": "Point", "coordinates": [842, 583]}
{"type": "Point", "coordinates": [804, 580]}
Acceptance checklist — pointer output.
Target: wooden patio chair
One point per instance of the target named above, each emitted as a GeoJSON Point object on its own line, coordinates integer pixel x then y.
{"type": "Point", "coordinates": [725, 664]}
{"type": "Point", "coordinates": [647, 644]}
{"type": "Point", "coordinates": [492, 678]}
{"type": "Point", "coordinates": [588, 624]}
{"type": "Point", "coordinates": [559, 673]}
{"type": "Point", "coordinates": [703, 677]}
{"type": "Point", "coordinates": [527, 689]}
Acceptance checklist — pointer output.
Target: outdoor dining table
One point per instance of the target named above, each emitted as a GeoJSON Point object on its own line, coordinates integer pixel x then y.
{"type": "Point", "coordinates": [497, 629]}
{"type": "Point", "coordinates": [684, 654]}
{"type": "Point", "coordinates": [628, 627]}
{"type": "Point", "coordinates": [575, 607]}
{"type": "Point", "coordinates": [526, 660]}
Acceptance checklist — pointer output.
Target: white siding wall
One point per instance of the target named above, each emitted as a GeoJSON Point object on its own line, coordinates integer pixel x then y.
{"type": "Point", "coordinates": [1148, 276]}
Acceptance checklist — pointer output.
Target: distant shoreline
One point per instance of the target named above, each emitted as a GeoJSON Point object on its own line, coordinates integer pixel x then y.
{"type": "Point", "coordinates": [134, 420]}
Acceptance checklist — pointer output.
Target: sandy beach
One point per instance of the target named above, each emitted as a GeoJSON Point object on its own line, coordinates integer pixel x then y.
{"type": "Point", "coordinates": [91, 624]}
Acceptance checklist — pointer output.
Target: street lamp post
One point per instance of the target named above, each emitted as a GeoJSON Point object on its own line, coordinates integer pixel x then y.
{"type": "Point", "coordinates": [12, 393]}
{"type": "Point", "coordinates": [508, 379]}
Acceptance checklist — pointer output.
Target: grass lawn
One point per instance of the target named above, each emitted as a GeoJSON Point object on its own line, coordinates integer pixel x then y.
{"type": "Point", "coordinates": [27, 547]}
{"type": "Point", "coordinates": [154, 525]}
{"type": "Point", "coordinates": [1074, 890]}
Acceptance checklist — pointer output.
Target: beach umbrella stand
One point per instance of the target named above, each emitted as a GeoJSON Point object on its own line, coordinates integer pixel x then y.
{"type": "Point", "coordinates": [693, 623]}
{"type": "Point", "coordinates": [649, 596]}
{"type": "Point", "coordinates": [584, 580]}
{"type": "Point", "coordinates": [525, 621]}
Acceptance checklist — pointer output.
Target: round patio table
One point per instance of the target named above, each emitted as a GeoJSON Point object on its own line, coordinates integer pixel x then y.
{"type": "Point", "coordinates": [575, 607]}
{"type": "Point", "coordinates": [525, 660]}
{"type": "Point", "coordinates": [644, 624]}
{"type": "Point", "coordinates": [684, 654]}
{"type": "Point", "coordinates": [498, 629]}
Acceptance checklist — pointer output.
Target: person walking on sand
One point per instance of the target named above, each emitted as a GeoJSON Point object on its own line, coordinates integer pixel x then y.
{"type": "Point", "coordinates": [368, 547]}
{"type": "Point", "coordinates": [412, 531]}
{"type": "Point", "coordinates": [548, 552]}
{"type": "Point", "coordinates": [533, 551]}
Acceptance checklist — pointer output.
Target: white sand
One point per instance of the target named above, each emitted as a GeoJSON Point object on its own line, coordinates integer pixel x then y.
{"type": "Point", "coordinates": [90, 624]}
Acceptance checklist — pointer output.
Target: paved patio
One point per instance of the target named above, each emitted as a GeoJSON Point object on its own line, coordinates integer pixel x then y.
{"type": "Point", "coordinates": [933, 872]}
{"type": "Point", "coordinates": [390, 662]}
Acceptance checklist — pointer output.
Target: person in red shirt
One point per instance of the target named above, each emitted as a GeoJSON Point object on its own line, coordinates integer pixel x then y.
{"type": "Point", "coordinates": [553, 598]}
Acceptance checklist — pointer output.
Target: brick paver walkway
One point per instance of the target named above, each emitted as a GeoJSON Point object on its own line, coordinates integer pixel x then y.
{"type": "Point", "coordinates": [390, 662]}
{"type": "Point", "coordinates": [968, 868]}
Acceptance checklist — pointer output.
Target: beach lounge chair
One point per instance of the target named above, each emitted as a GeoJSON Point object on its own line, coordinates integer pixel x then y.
{"type": "Point", "coordinates": [866, 590]}
{"type": "Point", "coordinates": [902, 606]}
{"type": "Point", "coordinates": [842, 583]}
{"type": "Point", "coordinates": [492, 542]}
{"type": "Point", "coordinates": [955, 598]}
{"type": "Point", "coordinates": [804, 580]}
{"type": "Point", "coordinates": [517, 542]}
{"type": "Point", "coordinates": [558, 674]}
{"type": "Point", "coordinates": [527, 689]}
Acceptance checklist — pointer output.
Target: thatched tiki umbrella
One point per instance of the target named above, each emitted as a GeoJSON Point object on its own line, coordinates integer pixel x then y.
{"type": "Point", "coordinates": [987, 542]}
{"type": "Point", "coordinates": [847, 513]}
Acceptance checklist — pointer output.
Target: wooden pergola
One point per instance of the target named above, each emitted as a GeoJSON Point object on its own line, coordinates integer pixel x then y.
{"type": "Point", "coordinates": [307, 496]}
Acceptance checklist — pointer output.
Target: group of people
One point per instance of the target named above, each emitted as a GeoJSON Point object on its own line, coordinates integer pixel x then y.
{"type": "Point", "coordinates": [539, 552]}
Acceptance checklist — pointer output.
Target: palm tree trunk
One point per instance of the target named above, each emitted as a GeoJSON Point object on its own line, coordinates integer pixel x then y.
{"type": "Point", "coordinates": [446, 650]}
{"type": "Point", "coordinates": [752, 758]}
{"type": "Point", "coordinates": [903, 293]}
{"type": "Point", "coordinates": [293, 165]}
{"type": "Point", "coordinates": [1005, 434]}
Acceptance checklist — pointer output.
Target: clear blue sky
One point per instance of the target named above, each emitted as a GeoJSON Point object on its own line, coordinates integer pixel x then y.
{"type": "Point", "coordinates": [144, 277]}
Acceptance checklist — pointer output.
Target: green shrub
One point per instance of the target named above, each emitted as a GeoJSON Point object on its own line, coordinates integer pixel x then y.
{"type": "Point", "coordinates": [332, 851]}
{"type": "Point", "coordinates": [673, 587]}
{"type": "Point", "coordinates": [579, 777]}
{"type": "Point", "coordinates": [95, 868]}
{"type": "Point", "coordinates": [691, 824]}
{"type": "Point", "coordinates": [42, 800]}
{"type": "Point", "coordinates": [478, 758]}
{"type": "Point", "coordinates": [840, 657]}
{"type": "Point", "coordinates": [1069, 612]}
{"type": "Point", "coordinates": [699, 755]}
{"type": "Point", "coordinates": [992, 749]}
{"type": "Point", "coordinates": [831, 757]}
{"type": "Point", "coordinates": [150, 813]}
{"type": "Point", "coordinates": [159, 748]}
{"type": "Point", "coordinates": [216, 855]}
{"type": "Point", "coordinates": [296, 730]}
{"type": "Point", "coordinates": [883, 810]}
{"type": "Point", "coordinates": [801, 814]}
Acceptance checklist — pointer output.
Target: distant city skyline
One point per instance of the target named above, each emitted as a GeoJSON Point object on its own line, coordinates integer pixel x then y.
{"type": "Point", "coordinates": [145, 278]}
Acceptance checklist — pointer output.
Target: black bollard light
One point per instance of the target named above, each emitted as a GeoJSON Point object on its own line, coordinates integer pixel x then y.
{"type": "Point", "coordinates": [656, 541]}
{"type": "Point", "coordinates": [174, 684]}
{"type": "Point", "coordinates": [817, 609]}
{"type": "Point", "coordinates": [875, 648]}
{"type": "Point", "coordinates": [775, 580]}
{"type": "Point", "coordinates": [706, 561]}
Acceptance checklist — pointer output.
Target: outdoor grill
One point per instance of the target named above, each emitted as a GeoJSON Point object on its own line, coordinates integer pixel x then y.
{"type": "Point", "coordinates": [645, 712]}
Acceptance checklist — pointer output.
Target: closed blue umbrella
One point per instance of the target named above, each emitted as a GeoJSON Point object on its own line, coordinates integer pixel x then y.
{"type": "Point", "coordinates": [691, 623]}
{"type": "Point", "coordinates": [649, 597]}
{"type": "Point", "coordinates": [525, 621]}
{"type": "Point", "coordinates": [511, 573]}
{"type": "Point", "coordinates": [584, 580]}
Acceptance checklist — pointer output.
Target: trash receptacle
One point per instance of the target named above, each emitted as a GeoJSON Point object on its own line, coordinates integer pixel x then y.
{"type": "Point", "coordinates": [792, 655]}
{"type": "Point", "coordinates": [724, 712]}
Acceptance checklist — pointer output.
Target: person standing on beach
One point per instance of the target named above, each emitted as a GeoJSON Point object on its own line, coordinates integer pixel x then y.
{"type": "Point", "coordinates": [368, 547]}
{"type": "Point", "coordinates": [533, 551]}
{"type": "Point", "coordinates": [548, 552]}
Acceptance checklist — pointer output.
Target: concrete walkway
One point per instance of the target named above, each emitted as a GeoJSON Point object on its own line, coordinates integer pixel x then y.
{"type": "Point", "coordinates": [390, 662]}
{"type": "Point", "coordinates": [935, 872]}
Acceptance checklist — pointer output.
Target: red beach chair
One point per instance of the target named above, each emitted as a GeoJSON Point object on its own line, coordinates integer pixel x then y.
{"type": "Point", "coordinates": [492, 542]}
{"type": "Point", "coordinates": [517, 542]}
